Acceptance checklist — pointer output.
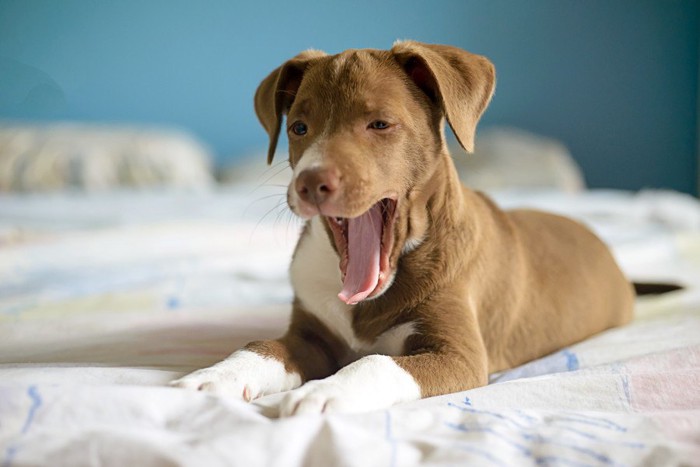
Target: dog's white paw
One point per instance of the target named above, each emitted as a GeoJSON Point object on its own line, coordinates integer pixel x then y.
{"type": "Point", "coordinates": [317, 397]}
{"type": "Point", "coordinates": [220, 382]}
{"type": "Point", "coordinates": [371, 383]}
{"type": "Point", "coordinates": [245, 375]}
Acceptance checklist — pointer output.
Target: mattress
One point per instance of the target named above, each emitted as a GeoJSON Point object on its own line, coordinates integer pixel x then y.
{"type": "Point", "coordinates": [105, 297]}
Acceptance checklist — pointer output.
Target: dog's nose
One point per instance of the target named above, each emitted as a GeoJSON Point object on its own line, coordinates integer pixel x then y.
{"type": "Point", "coordinates": [315, 186]}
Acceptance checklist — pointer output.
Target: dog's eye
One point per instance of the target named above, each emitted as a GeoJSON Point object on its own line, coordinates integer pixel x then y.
{"type": "Point", "coordinates": [299, 128]}
{"type": "Point", "coordinates": [378, 125]}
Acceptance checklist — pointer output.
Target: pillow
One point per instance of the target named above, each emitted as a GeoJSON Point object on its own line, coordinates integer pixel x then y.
{"type": "Point", "coordinates": [35, 157]}
{"type": "Point", "coordinates": [507, 158]}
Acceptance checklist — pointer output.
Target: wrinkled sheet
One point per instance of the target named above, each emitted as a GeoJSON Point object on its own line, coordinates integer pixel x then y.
{"type": "Point", "coordinates": [105, 298]}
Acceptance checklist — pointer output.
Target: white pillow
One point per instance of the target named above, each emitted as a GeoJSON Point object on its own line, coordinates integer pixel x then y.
{"type": "Point", "coordinates": [508, 158]}
{"type": "Point", "coordinates": [35, 157]}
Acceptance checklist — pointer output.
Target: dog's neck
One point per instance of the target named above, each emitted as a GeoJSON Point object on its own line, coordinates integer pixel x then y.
{"type": "Point", "coordinates": [438, 202]}
{"type": "Point", "coordinates": [438, 213]}
{"type": "Point", "coordinates": [447, 201]}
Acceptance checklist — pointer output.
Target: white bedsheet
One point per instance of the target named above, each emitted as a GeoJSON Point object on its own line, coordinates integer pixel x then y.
{"type": "Point", "coordinates": [103, 299]}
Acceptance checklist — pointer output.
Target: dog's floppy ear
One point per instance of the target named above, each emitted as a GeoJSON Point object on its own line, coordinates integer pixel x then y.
{"type": "Point", "coordinates": [276, 93]}
{"type": "Point", "coordinates": [459, 82]}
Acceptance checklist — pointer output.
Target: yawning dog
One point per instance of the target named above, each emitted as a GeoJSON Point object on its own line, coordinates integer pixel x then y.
{"type": "Point", "coordinates": [407, 284]}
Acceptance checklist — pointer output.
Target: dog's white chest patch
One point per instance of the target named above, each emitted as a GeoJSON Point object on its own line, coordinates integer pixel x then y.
{"type": "Point", "coordinates": [316, 280]}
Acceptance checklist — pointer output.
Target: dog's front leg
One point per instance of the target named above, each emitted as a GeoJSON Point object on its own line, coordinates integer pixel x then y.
{"type": "Point", "coordinates": [438, 359]}
{"type": "Point", "coordinates": [260, 368]}
{"type": "Point", "coordinates": [270, 366]}
{"type": "Point", "coordinates": [372, 382]}
{"type": "Point", "coordinates": [264, 367]}
{"type": "Point", "coordinates": [379, 381]}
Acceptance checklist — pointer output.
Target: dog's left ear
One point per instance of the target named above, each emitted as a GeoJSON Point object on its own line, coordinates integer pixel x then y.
{"type": "Point", "coordinates": [276, 93]}
{"type": "Point", "coordinates": [459, 82]}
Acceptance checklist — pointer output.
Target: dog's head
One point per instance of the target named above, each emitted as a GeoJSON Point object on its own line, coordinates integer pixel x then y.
{"type": "Point", "coordinates": [365, 131]}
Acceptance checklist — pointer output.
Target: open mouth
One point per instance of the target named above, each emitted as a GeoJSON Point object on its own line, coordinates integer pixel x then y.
{"type": "Point", "coordinates": [364, 244]}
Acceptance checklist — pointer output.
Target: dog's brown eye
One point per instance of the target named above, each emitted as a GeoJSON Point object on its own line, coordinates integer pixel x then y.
{"type": "Point", "coordinates": [299, 128]}
{"type": "Point", "coordinates": [378, 125]}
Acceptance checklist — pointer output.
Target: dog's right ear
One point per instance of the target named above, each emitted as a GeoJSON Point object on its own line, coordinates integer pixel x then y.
{"type": "Point", "coordinates": [459, 82]}
{"type": "Point", "coordinates": [276, 93]}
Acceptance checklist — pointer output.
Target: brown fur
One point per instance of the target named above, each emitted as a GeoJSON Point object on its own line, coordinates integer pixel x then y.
{"type": "Point", "coordinates": [486, 289]}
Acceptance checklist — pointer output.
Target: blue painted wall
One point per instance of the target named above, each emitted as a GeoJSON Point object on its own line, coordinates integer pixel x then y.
{"type": "Point", "coordinates": [616, 80]}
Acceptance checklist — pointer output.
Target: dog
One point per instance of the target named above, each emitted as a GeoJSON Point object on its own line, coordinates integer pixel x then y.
{"type": "Point", "coordinates": [407, 284]}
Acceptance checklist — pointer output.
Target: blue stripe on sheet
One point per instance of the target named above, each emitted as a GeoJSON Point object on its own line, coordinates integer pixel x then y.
{"type": "Point", "coordinates": [559, 362]}
{"type": "Point", "coordinates": [12, 450]}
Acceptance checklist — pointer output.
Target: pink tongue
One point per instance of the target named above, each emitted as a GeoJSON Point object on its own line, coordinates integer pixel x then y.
{"type": "Point", "coordinates": [364, 243]}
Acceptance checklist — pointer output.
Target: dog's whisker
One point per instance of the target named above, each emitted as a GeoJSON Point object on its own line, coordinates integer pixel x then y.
{"type": "Point", "coordinates": [269, 211]}
{"type": "Point", "coordinates": [277, 167]}
{"type": "Point", "coordinates": [291, 219]}
{"type": "Point", "coordinates": [277, 164]}
{"type": "Point", "coordinates": [274, 167]}
{"type": "Point", "coordinates": [279, 214]}
{"type": "Point", "coordinates": [261, 199]}
{"type": "Point", "coordinates": [283, 211]}
{"type": "Point", "coordinates": [264, 183]}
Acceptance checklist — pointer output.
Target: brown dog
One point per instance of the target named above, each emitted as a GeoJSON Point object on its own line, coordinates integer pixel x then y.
{"type": "Point", "coordinates": [407, 284]}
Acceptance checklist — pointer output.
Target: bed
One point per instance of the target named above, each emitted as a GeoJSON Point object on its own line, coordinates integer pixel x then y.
{"type": "Point", "coordinates": [107, 296]}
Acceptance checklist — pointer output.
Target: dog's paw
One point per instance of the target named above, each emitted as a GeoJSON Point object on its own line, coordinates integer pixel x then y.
{"type": "Point", "coordinates": [219, 381]}
{"type": "Point", "coordinates": [245, 375]}
{"type": "Point", "coordinates": [371, 383]}
{"type": "Point", "coordinates": [317, 397]}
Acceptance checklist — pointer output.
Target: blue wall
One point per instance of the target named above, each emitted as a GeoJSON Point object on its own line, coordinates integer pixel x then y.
{"type": "Point", "coordinates": [616, 80]}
